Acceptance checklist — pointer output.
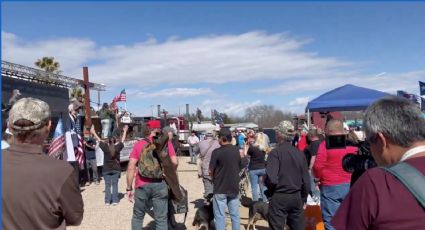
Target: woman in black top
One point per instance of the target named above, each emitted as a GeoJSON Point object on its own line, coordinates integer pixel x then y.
{"type": "Point", "coordinates": [257, 166]}
{"type": "Point", "coordinates": [111, 166]}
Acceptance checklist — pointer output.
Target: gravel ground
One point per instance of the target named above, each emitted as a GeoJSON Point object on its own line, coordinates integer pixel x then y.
{"type": "Point", "coordinates": [98, 216]}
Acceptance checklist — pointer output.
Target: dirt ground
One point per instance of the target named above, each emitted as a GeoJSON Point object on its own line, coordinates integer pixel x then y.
{"type": "Point", "coordinates": [98, 216]}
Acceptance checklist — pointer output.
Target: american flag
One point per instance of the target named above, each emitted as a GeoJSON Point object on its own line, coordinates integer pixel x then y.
{"type": "Point", "coordinates": [121, 97]}
{"type": "Point", "coordinates": [79, 155]}
{"type": "Point", "coordinates": [422, 88]}
{"type": "Point", "coordinates": [58, 143]}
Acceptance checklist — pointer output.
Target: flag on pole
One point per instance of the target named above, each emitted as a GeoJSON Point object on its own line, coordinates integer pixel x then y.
{"type": "Point", "coordinates": [422, 88]}
{"type": "Point", "coordinates": [58, 143]}
{"type": "Point", "coordinates": [79, 154]}
{"type": "Point", "coordinates": [198, 115]}
{"type": "Point", "coordinates": [410, 96]}
{"type": "Point", "coordinates": [121, 97]}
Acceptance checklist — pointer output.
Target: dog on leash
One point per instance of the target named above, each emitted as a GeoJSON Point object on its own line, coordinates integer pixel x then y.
{"type": "Point", "coordinates": [204, 216]}
{"type": "Point", "coordinates": [258, 210]}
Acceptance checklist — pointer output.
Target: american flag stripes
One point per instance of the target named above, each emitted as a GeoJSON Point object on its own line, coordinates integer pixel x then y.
{"type": "Point", "coordinates": [79, 154]}
{"type": "Point", "coordinates": [57, 146]}
{"type": "Point", "coordinates": [121, 97]}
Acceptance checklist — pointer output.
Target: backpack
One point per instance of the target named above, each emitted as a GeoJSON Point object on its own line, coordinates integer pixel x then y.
{"type": "Point", "coordinates": [149, 165]}
{"type": "Point", "coordinates": [410, 177]}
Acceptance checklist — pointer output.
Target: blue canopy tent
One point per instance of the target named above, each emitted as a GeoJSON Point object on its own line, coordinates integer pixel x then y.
{"type": "Point", "coordinates": [345, 98]}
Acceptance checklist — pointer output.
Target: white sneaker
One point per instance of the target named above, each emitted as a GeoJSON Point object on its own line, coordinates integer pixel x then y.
{"type": "Point", "coordinates": [114, 204]}
{"type": "Point", "coordinates": [107, 204]}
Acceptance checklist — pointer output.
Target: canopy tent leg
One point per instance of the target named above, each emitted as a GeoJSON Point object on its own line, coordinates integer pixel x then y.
{"type": "Point", "coordinates": [308, 119]}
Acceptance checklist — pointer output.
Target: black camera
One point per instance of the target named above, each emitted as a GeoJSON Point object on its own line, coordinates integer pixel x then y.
{"type": "Point", "coordinates": [358, 163]}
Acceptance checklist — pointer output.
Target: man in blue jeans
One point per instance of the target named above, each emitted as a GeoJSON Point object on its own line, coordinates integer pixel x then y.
{"type": "Point", "coordinates": [149, 193]}
{"type": "Point", "coordinates": [334, 181]}
{"type": "Point", "coordinates": [225, 166]}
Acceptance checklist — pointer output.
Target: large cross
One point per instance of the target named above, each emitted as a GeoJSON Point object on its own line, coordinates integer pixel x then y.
{"type": "Point", "coordinates": [86, 85]}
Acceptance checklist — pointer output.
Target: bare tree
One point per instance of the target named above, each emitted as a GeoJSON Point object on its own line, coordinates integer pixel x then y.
{"type": "Point", "coordinates": [266, 116]}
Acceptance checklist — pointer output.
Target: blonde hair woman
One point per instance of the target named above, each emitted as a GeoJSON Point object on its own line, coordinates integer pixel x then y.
{"type": "Point", "coordinates": [257, 166]}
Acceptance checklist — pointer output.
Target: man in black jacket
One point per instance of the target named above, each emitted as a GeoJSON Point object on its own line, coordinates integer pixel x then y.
{"type": "Point", "coordinates": [287, 181]}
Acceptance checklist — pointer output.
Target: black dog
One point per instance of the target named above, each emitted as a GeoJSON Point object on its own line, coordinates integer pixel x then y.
{"type": "Point", "coordinates": [258, 210]}
{"type": "Point", "coordinates": [204, 216]}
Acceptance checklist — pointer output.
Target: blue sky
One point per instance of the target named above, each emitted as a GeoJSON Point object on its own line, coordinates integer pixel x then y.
{"type": "Point", "coordinates": [227, 56]}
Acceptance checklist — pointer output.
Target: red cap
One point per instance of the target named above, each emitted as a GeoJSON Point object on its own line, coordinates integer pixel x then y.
{"type": "Point", "coordinates": [153, 124]}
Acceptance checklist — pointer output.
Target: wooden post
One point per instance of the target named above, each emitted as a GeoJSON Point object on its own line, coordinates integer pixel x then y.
{"type": "Point", "coordinates": [86, 99]}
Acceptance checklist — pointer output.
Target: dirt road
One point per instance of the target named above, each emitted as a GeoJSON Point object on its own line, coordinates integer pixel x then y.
{"type": "Point", "coordinates": [98, 216]}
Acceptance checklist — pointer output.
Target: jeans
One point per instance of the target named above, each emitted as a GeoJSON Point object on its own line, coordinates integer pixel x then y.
{"type": "Point", "coordinates": [208, 185]}
{"type": "Point", "coordinates": [93, 165]}
{"type": "Point", "coordinates": [192, 151]}
{"type": "Point", "coordinates": [219, 204]}
{"type": "Point", "coordinates": [111, 183]}
{"type": "Point", "coordinates": [331, 198]}
{"type": "Point", "coordinates": [106, 128]}
{"type": "Point", "coordinates": [255, 179]}
{"type": "Point", "coordinates": [153, 194]}
{"type": "Point", "coordinates": [286, 209]}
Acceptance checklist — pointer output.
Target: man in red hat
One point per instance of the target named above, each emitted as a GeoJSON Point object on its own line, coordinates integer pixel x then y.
{"type": "Point", "coordinates": [148, 192]}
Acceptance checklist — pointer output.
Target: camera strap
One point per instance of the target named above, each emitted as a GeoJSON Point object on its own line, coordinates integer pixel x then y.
{"type": "Point", "coordinates": [411, 178]}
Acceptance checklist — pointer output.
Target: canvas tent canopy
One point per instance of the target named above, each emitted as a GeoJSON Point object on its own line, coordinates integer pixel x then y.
{"type": "Point", "coordinates": [345, 98]}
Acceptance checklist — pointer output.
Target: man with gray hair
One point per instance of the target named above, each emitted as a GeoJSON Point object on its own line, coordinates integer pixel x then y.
{"type": "Point", "coordinates": [287, 181]}
{"type": "Point", "coordinates": [39, 192]}
{"type": "Point", "coordinates": [381, 198]}
{"type": "Point", "coordinates": [206, 147]}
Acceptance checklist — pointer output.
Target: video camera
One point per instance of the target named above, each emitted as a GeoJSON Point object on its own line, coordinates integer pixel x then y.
{"type": "Point", "coordinates": [358, 163]}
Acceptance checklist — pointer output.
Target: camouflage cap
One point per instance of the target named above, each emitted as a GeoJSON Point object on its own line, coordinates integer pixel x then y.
{"type": "Point", "coordinates": [285, 127]}
{"type": "Point", "coordinates": [30, 109]}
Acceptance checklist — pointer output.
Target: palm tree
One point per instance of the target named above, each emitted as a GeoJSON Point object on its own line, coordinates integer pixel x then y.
{"type": "Point", "coordinates": [78, 93]}
{"type": "Point", "coordinates": [48, 64]}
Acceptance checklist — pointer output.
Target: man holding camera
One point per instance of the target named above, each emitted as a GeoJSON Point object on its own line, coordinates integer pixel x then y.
{"type": "Point", "coordinates": [334, 181]}
{"type": "Point", "coordinates": [287, 181]}
{"type": "Point", "coordinates": [380, 199]}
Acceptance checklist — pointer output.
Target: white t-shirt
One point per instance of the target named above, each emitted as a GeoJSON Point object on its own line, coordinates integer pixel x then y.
{"type": "Point", "coordinates": [99, 154]}
{"type": "Point", "coordinates": [193, 140]}
{"type": "Point", "coordinates": [126, 119]}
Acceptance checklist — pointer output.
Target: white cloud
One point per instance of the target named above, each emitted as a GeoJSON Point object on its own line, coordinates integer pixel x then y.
{"type": "Point", "coordinates": [299, 101]}
{"type": "Point", "coordinates": [177, 92]}
{"type": "Point", "coordinates": [231, 108]}
{"type": "Point", "coordinates": [72, 53]}
{"type": "Point", "coordinates": [390, 83]}
{"type": "Point", "coordinates": [205, 59]}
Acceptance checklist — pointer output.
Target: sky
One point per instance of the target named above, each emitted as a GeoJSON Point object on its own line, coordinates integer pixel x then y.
{"type": "Point", "coordinates": [222, 55]}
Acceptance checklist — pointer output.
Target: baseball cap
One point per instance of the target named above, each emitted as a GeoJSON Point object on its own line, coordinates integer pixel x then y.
{"type": "Point", "coordinates": [30, 109]}
{"type": "Point", "coordinates": [285, 127]}
{"type": "Point", "coordinates": [153, 124]}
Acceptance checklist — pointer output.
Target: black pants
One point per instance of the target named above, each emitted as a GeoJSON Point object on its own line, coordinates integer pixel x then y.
{"type": "Point", "coordinates": [286, 209]}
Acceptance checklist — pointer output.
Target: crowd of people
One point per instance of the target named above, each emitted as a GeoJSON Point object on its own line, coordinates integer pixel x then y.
{"type": "Point", "coordinates": [302, 164]}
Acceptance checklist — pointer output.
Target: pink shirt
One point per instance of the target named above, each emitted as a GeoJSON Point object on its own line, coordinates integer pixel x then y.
{"type": "Point", "coordinates": [328, 165]}
{"type": "Point", "coordinates": [135, 154]}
